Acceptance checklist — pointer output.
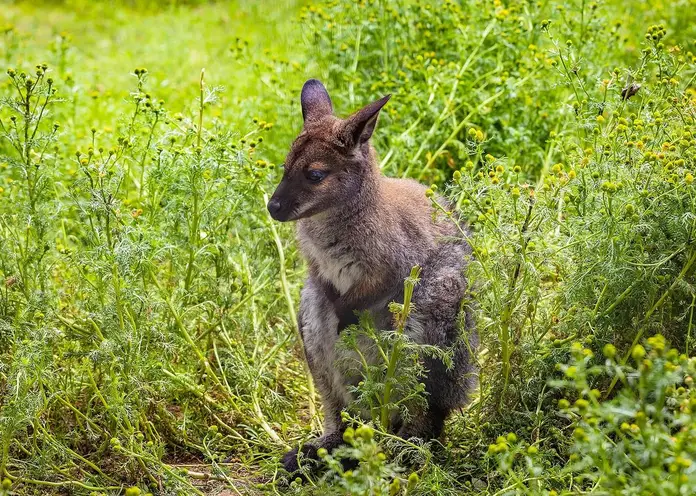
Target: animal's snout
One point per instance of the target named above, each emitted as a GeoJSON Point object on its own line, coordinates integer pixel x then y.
{"type": "Point", "coordinates": [274, 207]}
{"type": "Point", "coordinates": [281, 205]}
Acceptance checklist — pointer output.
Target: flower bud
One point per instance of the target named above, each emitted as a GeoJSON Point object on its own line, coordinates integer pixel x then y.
{"type": "Point", "coordinates": [348, 435]}
{"type": "Point", "coordinates": [609, 350]}
{"type": "Point", "coordinates": [395, 487]}
{"type": "Point", "coordinates": [638, 352]}
{"type": "Point", "coordinates": [412, 481]}
{"type": "Point", "coordinates": [365, 432]}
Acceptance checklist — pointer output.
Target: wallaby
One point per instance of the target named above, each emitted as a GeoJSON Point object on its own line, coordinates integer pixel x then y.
{"type": "Point", "coordinates": [361, 233]}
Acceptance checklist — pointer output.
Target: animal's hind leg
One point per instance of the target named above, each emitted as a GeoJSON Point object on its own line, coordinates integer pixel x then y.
{"type": "Point", "coordinates": [425, 425]}
{"type": "Point", "coordinates": [443, 395]}
{"type": "Point", "coordinates": [437, 300]}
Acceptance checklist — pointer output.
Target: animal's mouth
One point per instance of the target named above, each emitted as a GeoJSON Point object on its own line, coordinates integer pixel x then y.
{"type": "Point", "coordinates": [282, 213]}
{"type": "Point", "coordinates": [282, 216]}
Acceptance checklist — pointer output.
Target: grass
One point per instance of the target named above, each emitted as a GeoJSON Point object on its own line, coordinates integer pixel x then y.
{"type": "Point", "coordinates": [80, 40]}
{"type": "Point", "coordinates": [148, 338]}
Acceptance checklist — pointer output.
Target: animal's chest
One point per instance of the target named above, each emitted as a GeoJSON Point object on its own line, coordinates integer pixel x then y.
{"type": "Point", "coordinates": [336, 263]}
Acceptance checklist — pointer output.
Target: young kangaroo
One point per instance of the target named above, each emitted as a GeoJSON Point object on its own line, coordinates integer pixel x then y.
{"type": "Point", "coordinates": [361, 234]}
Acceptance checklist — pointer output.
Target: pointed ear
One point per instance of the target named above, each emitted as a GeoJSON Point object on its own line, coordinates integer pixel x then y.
{"type": "Point", "coordinates": [360, 125]}
{"type": "Point", "coordinates": [315, 101]}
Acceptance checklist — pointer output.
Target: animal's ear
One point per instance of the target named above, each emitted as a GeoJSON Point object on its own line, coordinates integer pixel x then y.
{"type": "Point", "coordinates": [316, 102]}
{"type": "Point", "coordinates": [359, 126]}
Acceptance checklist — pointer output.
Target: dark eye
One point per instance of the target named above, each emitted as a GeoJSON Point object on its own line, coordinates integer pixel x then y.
{"type": "Point", "coordinates": [315, 176]}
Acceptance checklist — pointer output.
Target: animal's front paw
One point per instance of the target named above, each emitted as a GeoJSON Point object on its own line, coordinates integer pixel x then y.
{"type": "Point", "coordinates": [296, 459]}
{"type": "Point", "coordinates": [290, 461]}
{"type": "Point", "coordinates": [306, 458]}
{"type": "Point", "coordinates": [298, 462]}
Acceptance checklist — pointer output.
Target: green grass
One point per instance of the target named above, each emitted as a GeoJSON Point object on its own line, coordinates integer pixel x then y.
{"type": "Point", "coordinates": [98, 44]}
{"type": "Point", "coordinates": [147, 331]}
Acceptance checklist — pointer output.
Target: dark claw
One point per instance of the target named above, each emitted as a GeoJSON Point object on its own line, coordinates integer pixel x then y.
{"type": "Point", "coordinates": [291, 461]}
{"type": "Point", "coordinates": [306, 457]}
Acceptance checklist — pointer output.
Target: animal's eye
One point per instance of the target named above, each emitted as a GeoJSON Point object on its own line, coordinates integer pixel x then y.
{"type": "Point", "coordinates": [315, 176]}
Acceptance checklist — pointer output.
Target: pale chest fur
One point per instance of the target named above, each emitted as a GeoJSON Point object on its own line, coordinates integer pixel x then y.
{"type": "Point", "coordinates": [335, 261]}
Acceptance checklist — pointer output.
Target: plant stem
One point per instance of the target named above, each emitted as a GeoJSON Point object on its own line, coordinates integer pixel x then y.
{"type": "Point", "coordinates": [291, 310]}
{"type": "Point", "coordinates": [402, 317]}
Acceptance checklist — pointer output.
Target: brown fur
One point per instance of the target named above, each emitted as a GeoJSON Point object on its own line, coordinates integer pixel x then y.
{"type": "Point", "coordinates": [361, 233]}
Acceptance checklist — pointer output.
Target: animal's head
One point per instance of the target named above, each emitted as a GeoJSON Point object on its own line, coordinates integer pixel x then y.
{"type": "Point", "coordinates": [329, 162]}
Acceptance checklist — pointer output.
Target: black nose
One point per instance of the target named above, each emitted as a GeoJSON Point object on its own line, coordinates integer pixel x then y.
{"type": "Point", "coordinates": [274, 206]}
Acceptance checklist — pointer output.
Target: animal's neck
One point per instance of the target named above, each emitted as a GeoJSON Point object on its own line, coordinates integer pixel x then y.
{"type": "Point", "coordinates": [337, 242]}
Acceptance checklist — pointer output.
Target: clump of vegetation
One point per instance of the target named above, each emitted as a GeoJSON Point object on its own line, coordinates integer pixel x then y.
{"type": "Point", "coordinates": [649, 422]}
{"type": "Point", "coordinates": [147, 332]}
{"type": "Point", "coordinates": [389, 364]}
